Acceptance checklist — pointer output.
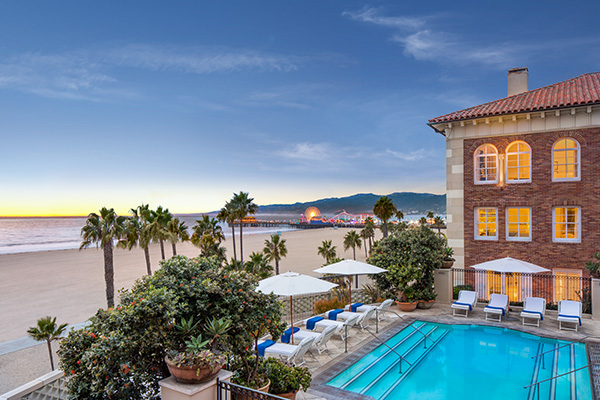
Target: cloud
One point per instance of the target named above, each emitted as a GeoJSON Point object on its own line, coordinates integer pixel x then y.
{"type": "Point", "coordinates": [372, 15]}
{"type": "Point", "coordinates": [415, 155]}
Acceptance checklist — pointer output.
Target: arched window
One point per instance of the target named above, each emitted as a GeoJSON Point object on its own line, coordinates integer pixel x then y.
{"type": "Point", "coordinates": [565, 160]}
{"type": "Point", "coordinates": [486, 164]}
{"type": "Point", "coordinates": [518, 162]}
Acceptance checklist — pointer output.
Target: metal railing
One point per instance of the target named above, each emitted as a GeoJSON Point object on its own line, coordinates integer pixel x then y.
{"type": "Point", "coordinates": [537, 384]}
{"type": "Point", "coordinates": [519, 286]}
{"type": "Point", "coordinates": [231, 391]}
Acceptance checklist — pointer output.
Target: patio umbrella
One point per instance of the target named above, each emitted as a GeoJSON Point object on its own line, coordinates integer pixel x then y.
{"type": "Point", "coordinates": [349, 268]}
{"type": "Point", "coordinates": [508, 264]}
{"type": "Point", "coordinates": [292, 284]}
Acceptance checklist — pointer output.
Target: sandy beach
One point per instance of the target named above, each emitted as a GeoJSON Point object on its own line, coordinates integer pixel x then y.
{"type": "Point", "coordinates": [69, 284]}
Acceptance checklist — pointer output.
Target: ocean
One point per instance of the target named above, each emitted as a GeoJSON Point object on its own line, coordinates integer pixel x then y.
{"type": "Point", "coordinates": [22, 235]}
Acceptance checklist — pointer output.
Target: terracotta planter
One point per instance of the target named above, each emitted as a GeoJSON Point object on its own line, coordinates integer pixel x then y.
{"type": "Point", "coordinates": [447, 264]}
{"type": "Point", "coordinates": [425, 304]}
{"type": "Point", "coordinates": [291, 395]}
{"type": "Point", "coordinates": [406, 307]}
{"type": "Point", "coordinates": [264, 389]}
{"type": "Point", "coordinates": [192, 374]}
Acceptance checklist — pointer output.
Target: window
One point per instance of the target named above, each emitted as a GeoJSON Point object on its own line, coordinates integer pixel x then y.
{"type": "Point", "coordinates": [567, 224]}
{"type": "Point", "coordinates": [518, 162]}
{"type": "Point", "coordinates": [565, 160]}
{"type": "Point", "coordinates": [518, 223]}
{"type": "Point", "coordinates": [508, 283]}
{"type": "Point", "coordinates": [567, 285]}
{"type": "Point", "coordinates": [486, 224]}
{"type": "Point", "coordinates": [486, 164]}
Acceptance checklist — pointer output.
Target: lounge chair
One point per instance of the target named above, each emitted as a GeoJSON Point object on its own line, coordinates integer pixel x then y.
{"type": "Point", "coordinates": [290, 353]}
{"type": "Point", "coordinates": [569, 312]}
{"type": "Point", "coordinates": [534, 308]}
{"type": "Point", "coordinates": [340, 325]}
{"type": "Point", "coordinates": [380, 310]}
{"type": "Point", "coordinates": [320, 338]}
{"type": "Point", "coordinates": [363, 318]}
{"type": "Point", "coordinates": [498, 305]}
{"type": "Point", "coordinates": [467, 300]}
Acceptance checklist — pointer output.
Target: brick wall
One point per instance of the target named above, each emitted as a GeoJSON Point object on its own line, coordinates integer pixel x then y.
{"type": "Point", "coordinates": [541, 195]}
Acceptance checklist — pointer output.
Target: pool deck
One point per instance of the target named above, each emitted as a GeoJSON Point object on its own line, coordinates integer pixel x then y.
{"type": "Point", "coordinates": [327, 365]}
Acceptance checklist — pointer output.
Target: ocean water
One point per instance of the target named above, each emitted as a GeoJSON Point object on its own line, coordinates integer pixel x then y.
{"type": "Point", "coordinates": [22, 235]}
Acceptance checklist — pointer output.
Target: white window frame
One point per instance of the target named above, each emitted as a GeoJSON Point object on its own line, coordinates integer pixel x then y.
{"type": "Point", "coordinates": [566, 240]}
{"type": "Point", "coordinates": [578, 161]}
{"type": "Point", "coordinates": [519, 239]}
{"type": "Point", "coordinates": [476, 220]}
{"type": "Point", "coordinates": [476, 164]}
{"type": "Point", "coordinates": [506, 163]}
{"type": "Point", "coordinates": [567, 271]}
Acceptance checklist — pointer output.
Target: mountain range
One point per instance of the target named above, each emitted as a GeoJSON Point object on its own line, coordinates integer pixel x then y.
{"type": "Point", "coordinates": [407, 202]}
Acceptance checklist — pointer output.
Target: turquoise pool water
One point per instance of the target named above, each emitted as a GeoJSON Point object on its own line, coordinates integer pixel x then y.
{"type": "Point", "coordinates": [468, 362]}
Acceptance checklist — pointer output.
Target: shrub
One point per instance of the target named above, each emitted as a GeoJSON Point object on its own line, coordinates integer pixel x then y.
{"type": "Point", "coordinates": [286, 378]}
{"type": "Point", "coordinates": [458, 288]}
{"type": "Point", "coordinates": [328, 304]}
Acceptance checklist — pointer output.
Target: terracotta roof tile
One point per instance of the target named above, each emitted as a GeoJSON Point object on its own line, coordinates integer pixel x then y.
{"type": "Point", "coordinates": [578, 91]}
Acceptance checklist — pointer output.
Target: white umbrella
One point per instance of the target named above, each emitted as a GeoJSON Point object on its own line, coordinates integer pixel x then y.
{"type": "Point", "coordinates": [508, 264]}
{"type": "Point", "coordinates": [293, 284]}
{"type": "Point", "coordinates": [350, 267]}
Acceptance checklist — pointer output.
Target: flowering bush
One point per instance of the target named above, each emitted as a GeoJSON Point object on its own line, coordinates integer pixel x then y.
{"type": "Point", "coordinates": [328, 304]}
{"type": "Point", "coordinates": [121, 353]}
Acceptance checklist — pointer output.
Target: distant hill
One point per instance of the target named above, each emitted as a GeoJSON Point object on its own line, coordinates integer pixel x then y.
{"type": "Point", "coordinates": [408, 202]}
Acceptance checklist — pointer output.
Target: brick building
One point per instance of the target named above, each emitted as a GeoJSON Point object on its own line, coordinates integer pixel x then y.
{"type": "Point", "coordinates": [523, 176]}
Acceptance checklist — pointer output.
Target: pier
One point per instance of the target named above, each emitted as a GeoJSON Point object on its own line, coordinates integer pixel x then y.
{"type": "Point", "coordinates": [294, 224]}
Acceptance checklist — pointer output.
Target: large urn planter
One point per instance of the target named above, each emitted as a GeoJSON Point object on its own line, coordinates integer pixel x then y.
{"type": "Point", "coordinates": [250, 396]}
{"type": "Point", "coordinates": [425, 304]}
{"type": "Point", "coordinates": [291, 395]}
{"type": "Point", "coordinates": [406, 306]}
{"type": "Point", "coordinates": [447, 264]}
{"type": "Point", "coordinates": [192, 374]}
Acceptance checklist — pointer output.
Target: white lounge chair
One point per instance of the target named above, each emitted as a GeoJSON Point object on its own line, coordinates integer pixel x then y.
{"type": "Point", "coordinates": [290, 353]}
{"type": "Point", "coordinates": [467, 300]}
{"type": "Point", "coordinates": [498, 305]}
{"type": "Point", "coordinates": [569, 312]}
{"type": "Point", "coordinates": [340, 325]}
{"type": "Point", "coordinates": [380, 310]}
{"type": "Point", "coordinates": [320, 338]}
{"type": "Point", "coordinates": [534, 308]}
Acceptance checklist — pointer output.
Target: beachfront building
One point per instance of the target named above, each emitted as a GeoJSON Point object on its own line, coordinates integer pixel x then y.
{"type": "Point", "coordinates": [523, 176]}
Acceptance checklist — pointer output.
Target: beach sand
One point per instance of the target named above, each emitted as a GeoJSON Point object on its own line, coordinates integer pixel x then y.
{"type": "Point", "coordinates": [69, 284]}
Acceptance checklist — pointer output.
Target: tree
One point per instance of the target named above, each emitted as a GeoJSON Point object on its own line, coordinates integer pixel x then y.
{"type": "Point", "coordinates": [384, 209]}
{"type": "Point", "coordinates": [275, 250]}
{"type": "Point", "coordinates": [227, 214]}
{"type": "Point", "coordinates": [438, 223]}
{"type": "Point", "coordinates": [258, 265]}
{"type": "Point", "coordinates": [243, 206]}
{"type": "Point", "coordinates": [178, 231]}
{"type": "Point", "coordinates": [47, 330]}
{"type": "Point", "coordinates": [160, 227]}
{"type": "Point", "coordinates": [327, 251]}
{"type": "Point", "coordinates": [207, 226]}
{"type": "Point", "coordinates": [370, 227]}
{"type": "Point", "coordinates": [351, 239]}
{"type": "Point", "coordinates": [365, 235]}
{"type": "Point", "coordinates": [104, 229]}
{"type": "Point", "coordinates": [138, 230]}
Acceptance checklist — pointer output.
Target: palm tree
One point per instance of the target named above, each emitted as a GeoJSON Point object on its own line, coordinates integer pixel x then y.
{"type": "Point", "coordinates": [384, 209]}
{"type": "Point", "coordinates": [227, 214]}
{"type": "Point", "coordinates": [139, 231]}
{"type": "Point", "coordinates": [274, 250]}
{"type": "Point", "coordinates": [327, 251]}
{"type": "Point", "coordinates": [47, 330]}
{"type": "Point", "coordinates": [438, 223]}
{"type": "Point", "coordinates": [370, 227]}
{"type": "Point", "coordinates": [351, 239]}
{"type": "Point", "coordinates": [207, 226]}
{"type": "Point", "coordinates": [178, 231]}
{"type": "Point", "coordinates": [399, 215]}
{"type": "Point", "coordinates": [209, 247]}
{"type": "Point", "coordinates": [244, 206]}
{"type": "Point", "coordinates": [259, 265]}
{"type": "Point", "coordinates": [103, 229]}
{"type": "Point", "coordinates": [160, 228]}
{"type": "Point", "coordinates": [365, 235]}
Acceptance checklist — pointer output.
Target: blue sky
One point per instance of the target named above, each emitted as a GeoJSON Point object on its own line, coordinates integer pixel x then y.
{"type": "Point", "coordinates": [184, 103]}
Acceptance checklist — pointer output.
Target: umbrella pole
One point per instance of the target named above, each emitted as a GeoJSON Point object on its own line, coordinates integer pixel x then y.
{"type": "Point", "coordinates": [350, 288]}
{"type": "Point", "coordinates": [291, 320]}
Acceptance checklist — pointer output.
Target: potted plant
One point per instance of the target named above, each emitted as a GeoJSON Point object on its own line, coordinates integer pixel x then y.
{"type": "Point", "coordinates": [286, 380]}
{"type": "Point", "coordinates": [427, 298]}
{"type": "Point", "coordinates": [195, 364]}
{"type": "Point", "coordinates": [448, 259]}
{"type": "Point", "coordinates": [249, 371]}
{"type": "Point", "coordinates": [594, 266]}
{"type": "Point", "coordinates": [406, 299]}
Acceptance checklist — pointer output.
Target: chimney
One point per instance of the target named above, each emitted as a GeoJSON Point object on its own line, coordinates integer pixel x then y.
{"type": "Point", "coordinates": [518, 80]}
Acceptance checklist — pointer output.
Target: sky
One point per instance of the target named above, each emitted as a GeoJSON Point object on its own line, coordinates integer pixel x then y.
{"type": "Point", "coordinates": [184, 103]}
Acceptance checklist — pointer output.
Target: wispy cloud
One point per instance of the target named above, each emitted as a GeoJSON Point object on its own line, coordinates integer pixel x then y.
{"type": "Point", "coordinates": [422, 41]}
{"type": "Point", "coordinates": [415, 155]}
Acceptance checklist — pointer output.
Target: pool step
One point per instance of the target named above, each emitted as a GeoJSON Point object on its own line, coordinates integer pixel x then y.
{"type": "Point", "coordinates": [536, 371]}
{"type": "Point", "coordinates": [557, 360]}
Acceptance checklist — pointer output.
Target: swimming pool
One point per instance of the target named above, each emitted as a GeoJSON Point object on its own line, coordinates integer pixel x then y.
{"type": "Point", "coordinates": [468, 362]}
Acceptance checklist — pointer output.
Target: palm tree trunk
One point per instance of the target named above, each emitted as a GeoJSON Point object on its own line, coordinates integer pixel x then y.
{"type": "Point", "coordinates": [241, 247]}
{"type": "Point", "coordinates": [276, 267]}
{"type": "Point", "coordinates": [354, 252]}
{"type": "Point", "coordinates": [147, 256]}
{"type": "Point", "coordinates": [365, 243]}
{"type": "Point", "coordinates": [109, 275]}
{"type": "Point", "coordinates": [50, 354]}
{"type": "Point", "coordinates": [162, 249]}
{"type": "Point", "coordinates": [174, 248]}
{"type": "Point", "coordinates": [384, 228]}
{"type": "Point", "coordinates": [233, 238]}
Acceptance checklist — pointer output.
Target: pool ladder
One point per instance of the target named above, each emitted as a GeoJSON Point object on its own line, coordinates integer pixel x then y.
{"type": "Point", "coordinates": [534, 388]}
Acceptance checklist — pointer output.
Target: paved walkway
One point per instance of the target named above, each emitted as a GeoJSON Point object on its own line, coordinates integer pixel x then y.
{"type": "Point", "coordinates": [331, 360]}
